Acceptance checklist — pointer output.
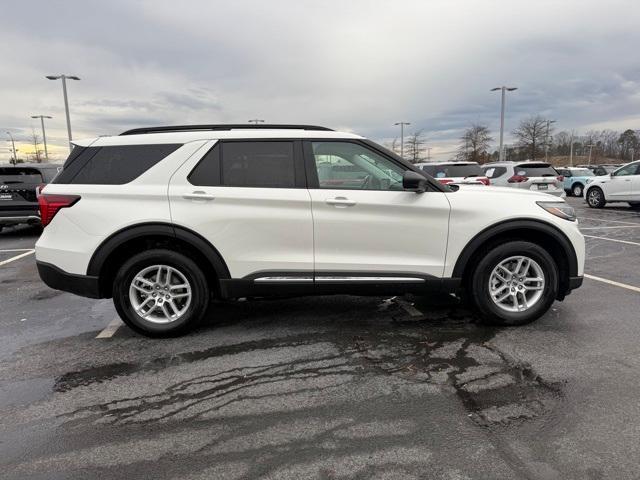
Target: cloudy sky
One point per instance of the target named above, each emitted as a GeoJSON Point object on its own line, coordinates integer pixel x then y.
{"type": "Point", "coordinates": [359, 65]}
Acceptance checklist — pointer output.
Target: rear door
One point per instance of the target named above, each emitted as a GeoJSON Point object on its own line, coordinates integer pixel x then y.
{"type": "Point", "coordinates": [365, 224]}
{"type": "Point", "coordinates": [248, 198]}
{"type": "Point", "coordinates": [18, 190]}
{"type": "Point", "coordinates": [541, 177]}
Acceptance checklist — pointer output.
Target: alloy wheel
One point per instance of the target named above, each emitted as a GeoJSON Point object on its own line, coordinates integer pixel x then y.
{"type": "Point", "coordinates": [516, 284]}
{"type": "Point", "coordinates": [160, 294]}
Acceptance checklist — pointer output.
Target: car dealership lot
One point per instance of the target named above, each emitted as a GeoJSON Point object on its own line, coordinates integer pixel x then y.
{"type": "Point", "coordinates": [328, 387]}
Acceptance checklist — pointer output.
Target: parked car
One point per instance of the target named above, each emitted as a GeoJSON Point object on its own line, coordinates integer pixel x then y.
{"type": "Point", "coordinates": [622, 185]}
{"type": "Point", "coordinates": [575, 179]}
{"type": "Point", "coordinates": [18, 185]}
{"type": "Point", "coordinates": [536, 176]}
{"type": "Point", "coordinates": [455, 172]}
{"type": "Point", "coordinates": [603, 169]}
{"type": "Point", "coordinates": [165, 219]}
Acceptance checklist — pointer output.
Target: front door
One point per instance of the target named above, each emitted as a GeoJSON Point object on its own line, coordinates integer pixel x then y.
{"type": "Point", "coordinates": [621, 185]}
{"type": "Point", "coordinates": [364, 222]}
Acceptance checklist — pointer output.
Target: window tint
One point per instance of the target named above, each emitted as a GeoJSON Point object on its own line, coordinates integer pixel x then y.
{"type": "Point", "coordinates": [77, 158]}
{"type": "Point", "coordinates": [453, 170]}
{"type": "Point", "coordinates": [9, 175]}
{"type": "Point", "coordinates": [258, 164]}
{"type": "Point", "coordinates": [631, 169]}
{"type": "Point", "coordinates": [581, 172]}
{"type": "Point", "coordinates": [346, 165]}
{"type": "Point", "coordinates": [115, 165]}
{"type": "Point", "coordinates": [494, 172]}
{"type": "Point", "coordinates": [535, 170]}
{"type": "Point", "coordinates": [207, 171]}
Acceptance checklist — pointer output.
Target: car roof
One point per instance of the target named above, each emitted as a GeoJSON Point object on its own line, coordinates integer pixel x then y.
{"type": "Point", "coordinates": [452, 162]}
{"type": "Point", "coordinates": [185, 134]}
{"type": "Point", "coordinates": [512, 163]}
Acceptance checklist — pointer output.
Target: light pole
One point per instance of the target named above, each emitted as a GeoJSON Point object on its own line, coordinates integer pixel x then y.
{"type": "Point", "coordinates": [44, 135]}
{"type": "Point", "coordinates": [504, 90]}
{"type": "Point", "coordinates": [429, 154]}
{"type": "Point", "coordinates": [546, 141]}
{"type": "Point", "coordinates": [66, 101]}
{"type": "Point", "coordinates": [402, 124]}
{"type": "Point", "coordinates": [591, 145]}
{"type": "Point", "coordinates": [571, 152]}
{"type": "Point", "coordinates": [13, 145]}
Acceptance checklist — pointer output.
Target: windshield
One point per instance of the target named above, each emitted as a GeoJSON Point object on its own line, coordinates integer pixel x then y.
{"type": "Point", "coordinates": [536, 170]}
{"type": "Point", "coordinates": [581, 172]}
{"type": "Point", "coordinates": [9, 175]}
{"type": "Point", "coordinates": [453, 170]}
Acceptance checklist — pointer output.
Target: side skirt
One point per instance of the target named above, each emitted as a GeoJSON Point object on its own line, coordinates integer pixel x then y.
{"type": "Point", "coordinates": [267, 284]}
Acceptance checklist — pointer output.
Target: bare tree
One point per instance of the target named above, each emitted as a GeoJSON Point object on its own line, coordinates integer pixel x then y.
{"type": "Point", "coordinates": [35, 138]}
{"type": "Point", "coordinates": [531, 134]}
{"type": "Point", "coordinates": [414, 147]}
{"type": "Point", "coordinates": [474, 144]}
{"type": "Point", "coordinates": [394, 146]}
{"type": "Point", "coordinates": [628, 142]}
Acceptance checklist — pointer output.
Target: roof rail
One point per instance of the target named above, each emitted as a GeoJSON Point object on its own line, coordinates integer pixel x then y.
{"type": "Point", "coordinates": [238, 126]}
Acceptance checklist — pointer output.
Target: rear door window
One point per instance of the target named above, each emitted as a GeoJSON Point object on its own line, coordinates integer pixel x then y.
{"type": "Point", "coordinates": [258, 164]}
{"type": "Point", "coordinates": [113, 165]}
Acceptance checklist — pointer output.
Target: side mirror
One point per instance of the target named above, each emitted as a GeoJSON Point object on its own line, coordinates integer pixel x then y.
{"type": "Point", "coordinates": [414, 182]}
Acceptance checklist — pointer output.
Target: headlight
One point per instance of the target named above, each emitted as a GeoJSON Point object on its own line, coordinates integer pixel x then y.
{"type": "Point", "coordinates": [559, 209]}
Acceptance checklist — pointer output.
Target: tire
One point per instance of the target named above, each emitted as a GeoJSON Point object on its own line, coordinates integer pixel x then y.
{"type": "Point", "coordinates": [577, 190]}
{"type": "Point", "coordinates": [595, 198]}
{"type": "Point", "coordinates": [187, 310]}
{"type": "Point", "coordinates": [635, 205]}
{"type": "Point", "coordinates": [513, 312]}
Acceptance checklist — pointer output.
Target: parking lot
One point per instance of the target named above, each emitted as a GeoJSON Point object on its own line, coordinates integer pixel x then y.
{"type": "Point", "coordinates": [327, 387]}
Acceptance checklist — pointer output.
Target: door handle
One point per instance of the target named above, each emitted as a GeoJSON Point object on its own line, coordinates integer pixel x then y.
{"type": "Point", "coordinates": [340, 202]}
{"type": "Point", "coordinates": [199, 195]}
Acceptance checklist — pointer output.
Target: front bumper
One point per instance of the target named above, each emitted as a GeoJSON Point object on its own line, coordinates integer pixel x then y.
{"type": "Point", "coordinates": [58, 279]}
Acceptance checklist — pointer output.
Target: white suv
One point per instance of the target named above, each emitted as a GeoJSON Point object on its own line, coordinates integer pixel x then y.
{"type": "Point", "coordinates": [166, 219]}
{"type": "Point", "coordinates": [622, 185]}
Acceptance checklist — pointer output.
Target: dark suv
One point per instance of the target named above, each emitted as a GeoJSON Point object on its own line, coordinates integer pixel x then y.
{"type": "Point", "coordinates": [18, 185]}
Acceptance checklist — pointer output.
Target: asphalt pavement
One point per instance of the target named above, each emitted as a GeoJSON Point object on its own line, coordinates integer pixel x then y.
{"type": "Point", "coordinates": [327, 387]}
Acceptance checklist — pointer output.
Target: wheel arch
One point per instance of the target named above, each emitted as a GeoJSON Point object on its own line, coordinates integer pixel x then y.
{"type": "Point", "coordinates": [120, 245]}
{"type": "Point", "coordinates": [544, 234]}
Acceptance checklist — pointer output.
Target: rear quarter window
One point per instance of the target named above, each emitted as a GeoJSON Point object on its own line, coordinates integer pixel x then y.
{"type": "Point", "coordinates": [494, 172]}
{"type": "Point", "coordinates": [541, 170]}
{"type": "Point", "coordinates": [113, 165]}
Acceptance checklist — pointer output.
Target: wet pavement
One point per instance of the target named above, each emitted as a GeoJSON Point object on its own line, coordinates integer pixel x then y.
{"type": "Point", "coordinates": [328, 387]}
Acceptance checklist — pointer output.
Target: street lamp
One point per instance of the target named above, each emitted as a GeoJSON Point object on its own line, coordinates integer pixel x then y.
{"type": "Point", "coordinates": [256, 121]}
{"type": "Point", "coordinates": [402, 124]}
{"type": "Point", "coordinates": [13, 145]}
{"type": "Point", "coordinates": [591, 145]}
{"type": "Point", "coordinates": [66, 102]}
{"type": "Point", "coordinates": [546, 141]}
{"type": "Point", "coordinates": [503, 89]}
{"type": "Point", "coordinates": [44, 135]}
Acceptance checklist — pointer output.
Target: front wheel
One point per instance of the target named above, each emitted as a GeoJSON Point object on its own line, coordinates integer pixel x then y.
{"type": "Point", "coordinates": [160, 293]}
{"type": "Point", "coordinates": [514, 283]}
{"type": "Point", "coordinates": [595, 198]}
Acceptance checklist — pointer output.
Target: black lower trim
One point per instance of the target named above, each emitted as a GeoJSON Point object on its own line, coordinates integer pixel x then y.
{"type": "Point", "coordinates": [575, 282]}
{"type": "Point", "coordinates": [249, 287]}
{"type": "Point", "coordinates": [54, 277]}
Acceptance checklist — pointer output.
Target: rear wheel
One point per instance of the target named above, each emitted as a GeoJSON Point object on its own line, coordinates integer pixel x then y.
{"type": "Point", "coordinates": [160, 293]}
{"type": "Point", "coordinates": [595, 198]}
{"type": "Point", "coordinates": [514, 283]}
{"type": "Point", "coordinates": [577, 189]}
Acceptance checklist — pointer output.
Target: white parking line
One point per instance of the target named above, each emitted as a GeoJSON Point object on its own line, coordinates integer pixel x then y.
{"type": "Point", "coordinates": [110, 329]}
{"type": "Point", "coordinates": [409, 308]}
{"type": "Point", "coordinates": [17, 257]}
{"type": "Point", "coordinates": [613, 240]}
{"type": "Point", "coordinates": [617, 226]}
{"type": "Point", "coordinates": [607, 220]}
{"type": "Point", "coordinates": [9, 250]}
{"type": "Point", "coordinates": [611, 282]}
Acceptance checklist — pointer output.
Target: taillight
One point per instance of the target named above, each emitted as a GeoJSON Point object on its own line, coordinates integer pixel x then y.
{"type": "Point", "coordinates": [50, 204]}
{"type": "Point", "coordinates": [560, 178]}
{"type": "Point", "coordinates": [518, 179]}
{"type": "Point", "coordinates": [485, 180]}
{"type": "Point", "coordinates": [39, 189]}
{"type": "Point", "coordinates": [444, 181]}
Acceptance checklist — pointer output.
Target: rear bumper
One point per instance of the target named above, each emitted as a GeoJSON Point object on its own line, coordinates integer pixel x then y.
{"type": "Point", "coordinates": [58, 279]}
{"type": "Point", "coordinates": [14, 217]}
{"type": "Point", "coordinates": [575, 282]}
